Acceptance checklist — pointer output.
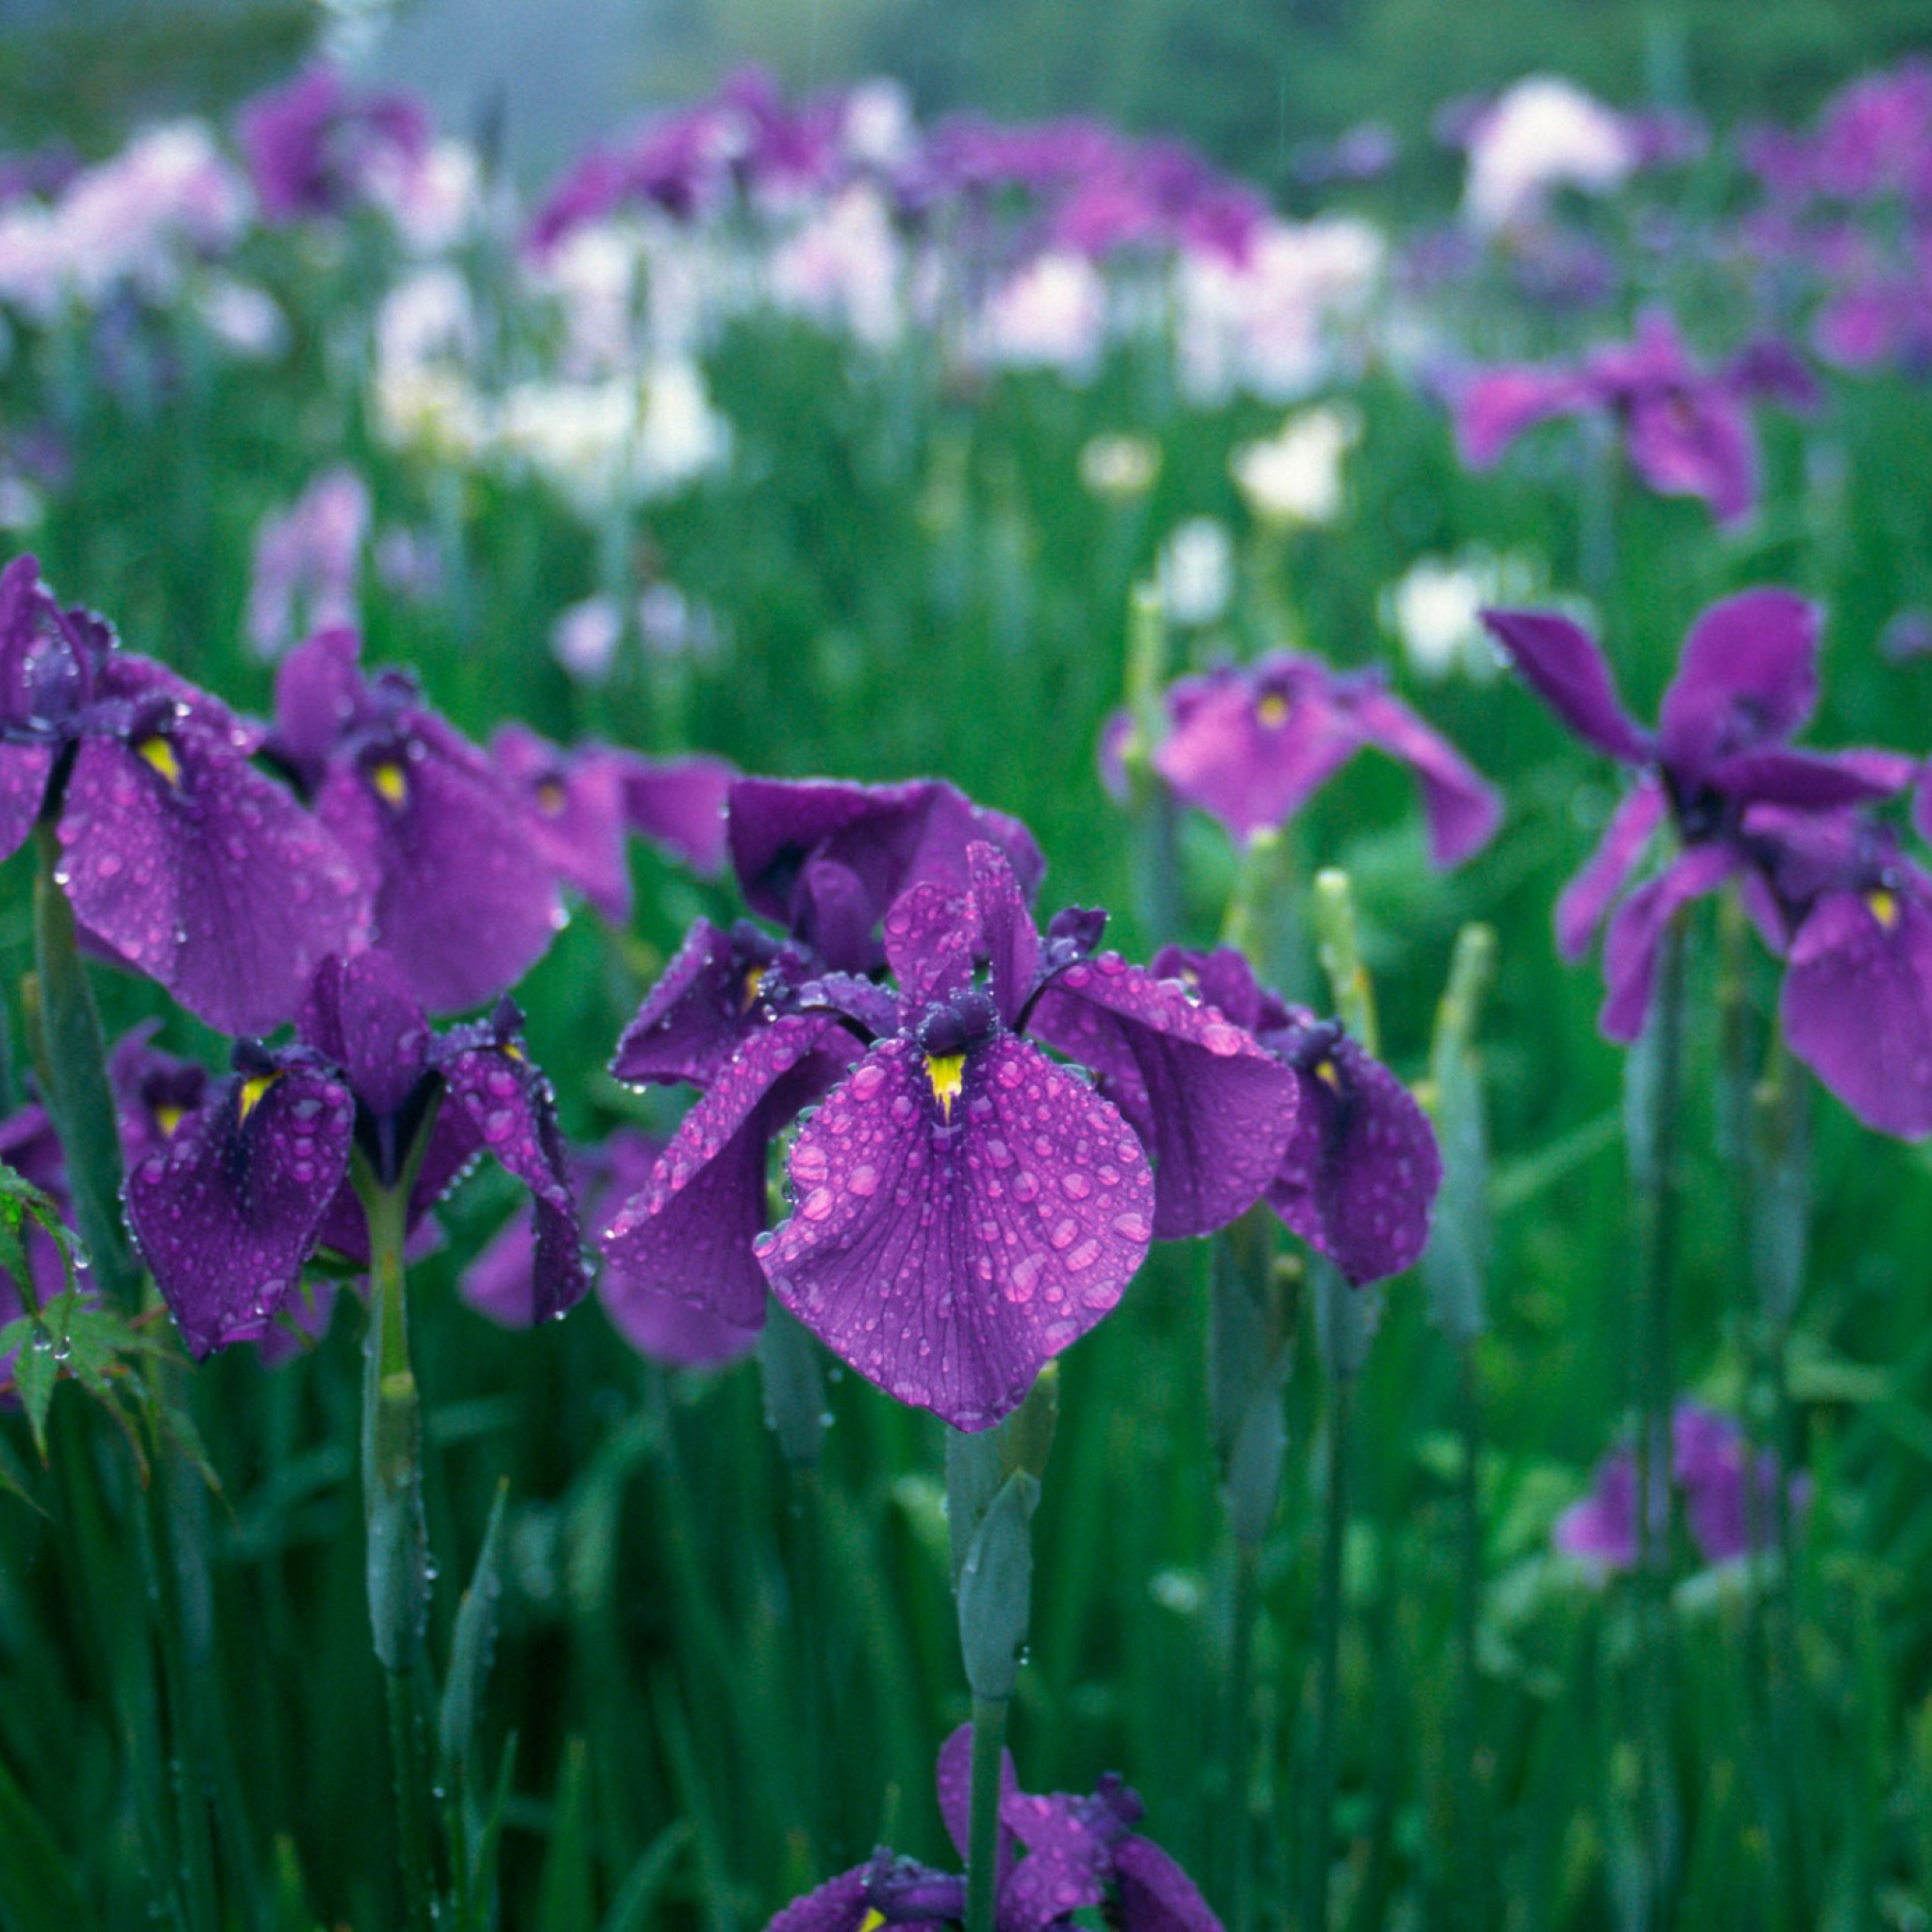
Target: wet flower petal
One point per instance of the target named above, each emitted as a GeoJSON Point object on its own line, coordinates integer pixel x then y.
{"type": "Point", "coordinates": [680, 806]}
{"type": "Point", "coordinates": [701, 1010]}
{"type": "Point", "coordinates": [25, 770]}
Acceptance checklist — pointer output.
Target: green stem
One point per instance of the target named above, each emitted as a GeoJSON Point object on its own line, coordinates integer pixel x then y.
{"type": "Point", "coordinates": [1318, 1840]}
{"type": "Point", "coordinates": [413, 1825]}
{"type": "Point", "coordinates": [1655, 1074]}
{"type": "Point", "coordinates": [1241, 1678]}
{"type": "Point", "coordinates": [1472, 1821]}
{"type": "Point", "coordinates": [982, 1840]}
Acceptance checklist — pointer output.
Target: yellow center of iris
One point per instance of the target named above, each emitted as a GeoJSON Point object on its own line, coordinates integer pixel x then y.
{"type": "Point", "coordinates": [252, 1090]}
{"type": "Point", "coordinates": [550, 797]}
{"type": "Point", "coordinates": [948, 1072]}
{"type": "Point", "coordinates": [1273, 710]}
{"type": "Point", "coordinates": [1325, 1071]}
{"type": "Point", "coordinates": [1883, 906]}
{"type": "Point", "coordinates": [391, 786]}
{"type": "Point", "coordinates": [511, 1051]}
{"type": "Point", "coordinates": [871, 1921]}
{"type": "Point", "coordinates": [167, 1118]}
{"type": "Point", "coordinates": [161, 754]}
{"type": "Point", "coordinates": [754, 982]}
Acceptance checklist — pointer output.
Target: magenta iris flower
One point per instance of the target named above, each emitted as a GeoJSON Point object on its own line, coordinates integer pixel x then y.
{"type": "Point", "coordinates": [180, 858]}
{"type": "Point", "coordinates": [500, 1282]}
{"type": "Point", "coordinates": [1686, 431]}
{"type": "Point", "coordinates": [257, 1177]}
{"type": "Point", "coordinates": [963, 1207]}
{"type": "Point", "coordinates": [1251, 744]}
{"type": "Point", "coordinates": [1361, 1174]}
{"type": "Point", "coordinates": [1719, 759]}
{"type": "Point", "coordinates": [1712, 1465]}
{"type": "Point", "coordinates": [1079, 1854]}
{"type": "Point", "coordinates": [464, 898]}
{"type": "Point", "coordinates": [311, 145]}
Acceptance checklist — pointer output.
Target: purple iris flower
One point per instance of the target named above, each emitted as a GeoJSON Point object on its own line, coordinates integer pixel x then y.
{"type": "Point", "coordinates": [1361, 1172]}
{"type": "Point", "coordinates": [154, 1092]}
{"type": "Point", "coordinates": [1717, 765]}
{"type": "Point", "coordinates": [465, 897]}
{"type": "Point", "coordinates": [825, 859]}
{"type": "Point", "coordinates": [1712, 1465]}
{"type": "Point", "coordinates": [29, 1145]}
{"type": "Point", "coordinates": [257, 1177]}
{"type": "Point", "coordinates": [586, 800]}
{"type": "Point", "coordinates": [1080, 1853]}
{"type": "Point", "coordinates": [1686, 431]}
{"type": "Point", "coordinates": [180, 859]}
{"type": "Point", "coordinates": [664, 1326]}
{"type": "Point", "coordinates": [1251, 744]}
{"type": "Point", "coordinates": [311, 145]}
{"type": "Point", "coordinates": [964, 1207]}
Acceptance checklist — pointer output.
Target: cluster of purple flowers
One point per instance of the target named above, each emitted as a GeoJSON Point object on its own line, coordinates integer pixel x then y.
{"type": "Point", "coordinates": [1828, 885]}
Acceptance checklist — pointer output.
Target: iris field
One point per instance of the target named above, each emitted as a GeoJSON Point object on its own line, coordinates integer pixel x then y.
{"type": "Point", "coordinates": [595, 1266]}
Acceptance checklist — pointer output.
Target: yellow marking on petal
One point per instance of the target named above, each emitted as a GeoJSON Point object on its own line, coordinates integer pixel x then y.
{"type": "Point", "coordinates": [1883, 906]}
{"type": "Point", "coordinates": [391, 786]}
{"type": "Point", "coordinates": [252, 1090]}
{"type": "Point", "coordinates": [550, 797]}
{"type": "Point", "coordinates": [871, 1921]}
{"type": "Point", "coordinates": [161, 754]}
{"type": "Point", "coordinates": [754, 985]}
{"type": "Point", "coordinates": [1326, 1071]}
{"type": "Point", "coordinates": [511, 1051]}
{"type": "Point", "coordinates": [168, 1118]}
{"type": "Point", "coordinates": [948, 1072]}
{"type": "Point", "coordinates": [1273, 710]}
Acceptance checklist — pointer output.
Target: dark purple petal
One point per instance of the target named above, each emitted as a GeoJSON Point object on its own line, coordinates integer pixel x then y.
{"type": "Point", "coordinates": [1224, 978]}
{"type": "Point", "coordinates": [700, 1012]}
{"type": "Point", "coordinates": [1748, 677]}
{"type": "Point", "coordinates": [930, 934]}
{"type": "Point", "coordinates": [319, 697]}
{"type": "Point", "coordinates": [462, 895]}
{"type": "Point", "coordinates": [1568, 671]}
{"type": "Point", "coordinates": [23, 773]}
{"type": "Point", "coordinates": [29, 1145]}
{"type": "Point", "coordinates": [576, 813]}
{"type": "Point", "coordinates": [1812, 781]}
{"type": "Point", "coordinates": [1216, 1111]}
{"type": "Point", "coordinates": [688, 1232]}
{"type": "Point", "coordinates": [1696, 440]}
{"type": "Point", "coordinates": [226, 1214]}
{"type": "Point", "coordinates": [1156, 1895]}
{"type": "Point", "coordinates": [947, 1247]}
{"type": "Point", "coordinates": [1856, 1006]}
{"type": "Point", "coordinates": [1922, 806]}
{"type": "Point", "coordinates": [1630, 946]}
{"type": "Point", "coordinates": [954, 1777]}
{"type": "Point", "coordinates": [154, 1092]}
{"type": "Point", "coordinates": [1007, 931]}
{"type": "Point", "coordinates": [204, 875]}
{"type": "Point", "coordinates": [1463, 807]}
{"type": "Point", "coordinates": [1493, 408]}
{"type": "Point", "coordinates": [1583, 903]}
{"type": "Point", "coordinates": [1359, 1178]}
{"type": "Point", "coordinates": [680, 806]}
{"type": "Point", "coordinates": [361, 1014]}
{"type": "Point", "coordinates": [840, 1904]}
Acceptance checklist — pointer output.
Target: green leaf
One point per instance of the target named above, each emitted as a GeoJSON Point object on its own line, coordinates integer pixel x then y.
{"type": "Point", "coordinates": [637, 1899]}
{"type": "Point", "coordinates": [37, 1888]}
{"type": "Point", "coordinates": [35, 1371]}
{"type": "Point", "coordinates": [475, 1643]}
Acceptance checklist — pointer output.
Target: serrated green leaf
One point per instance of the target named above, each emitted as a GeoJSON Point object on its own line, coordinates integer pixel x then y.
{"type": "Point", "coordinates": [35, 1371]}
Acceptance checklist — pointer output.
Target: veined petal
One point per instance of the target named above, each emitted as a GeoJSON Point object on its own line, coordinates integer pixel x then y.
{"type": "Point", "coordinates": [931, 933]}
{"type": "Point", "coordinates": [1156, 1895]}
{"type": "Point", "coordinates": [205, 875]}
{"type": "Point", "coordinates": [1630, 946]}
{"type": "Point", "coordinates": [1566, 670]}
{"type": "Point", "coordinates": [1007, 930]}
{"type": "Point", "coordinates": [946, 1250]}
{"type": "Point", "coordinates": [1748, 677]}
{"type": "Point", "coordinates": [689, 1231]}
{"type": "Point", "coordinates": [25, 770]}
{"type": "Point", "coordinates": [1214, 1109]}
{"type": "Point", "coordinates": [1588, 897]}
{"type": "Point", "coordinates": [840, 1904]}
{"type": "Point", "coordinates": [361, 1014]}
{"type": "Point", "coordinates": [1463, 807]}
{"type": "Point", "coordinates": [226, 1214]}
{"type": "Point", "coordinates": [699, 1013]}
{"type": "Point", "coordinates": [1856, 1006]}
{"type": "Point", "coordinates": [954, 1777]}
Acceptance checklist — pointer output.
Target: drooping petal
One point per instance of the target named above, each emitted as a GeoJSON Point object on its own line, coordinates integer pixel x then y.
{"type": "Point", "coordinates": [319, 695]}
{"type": "Point", "coordinates": [689, 1231]}
{"type": "Point", "coordinates": [1696, 440]}
{"type": "Point", "coordinates": [576, 813]}
{"type": "Point", "coordinates": [1747, 678]}
{"type": "Point", "coordinates": [953, 1777]}
{"type": "Point", "coordinates": [946, 1249]}
{"type": "Point", "coordinates": [1630, 946]}
{"type": "Point", "coordinates": [361, 1014]}
{"type": "Point", "coordinates": [1463, 807]}
{"type": "Point", "coordinates": [1808, 780]}
{"type": "Point", "coordinates": [205, 875]}
{"type": "Point", "coordinates": [1007, 931]}
{"type": "Point", "coordinates": [680, 806]}
{"type": "Point", "coordinates": [1583, 903]}
{"type": "Point", "coordinates": [1156, 1895]}
{"type": "Point", "coordinates": [1215, 1110]}
{"type": "Point", "coordinates": [1601, 1528]}
{"type": "Point", "coordinates": [25, 770]}
{"type": "Point", "coordinates": [1224, 978]}
{"type": "Point", "coordinates": [1359, 1178]}
{"type": "Point", "coordinates": [840, 1904]}
{"type": "Point", "coordinates": [1856, 1006]}
{"type": "Point", "coordinates": [228, 1212]}
{"type": "Point", "coordinates": [462, 895]}
{"type": "Point", "coordinates": [1495, 406]}
{"type": "Point", "coordinates": [154, 1092]}
{"type": "Point", "coordinates": [699, 1013]}
{"type": "Point", "coordinates": [1567, 671]}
